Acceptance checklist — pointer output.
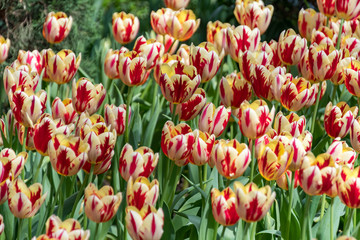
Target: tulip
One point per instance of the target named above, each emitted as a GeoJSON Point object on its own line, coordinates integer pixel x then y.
{"type": "Point", "coordinates": [314, 89]}
{"type": "Point", "coordinates": [355, 134]}
{"type": "Point", "coordinates": [308, 20]}
{"type": "Point", "coordinates": [214, 120]}
{"type": "Point", "coordinates": [56, 27]}
{"type": "Point", "coordinates": [2, 132]}
{"type": "Point", "coordinates": [170, 43]}
{"type": "Point", "coordinates": [348, 186]}
{"type": "Point", "coordinates": [327, 7]}
{"type": "Point", "coordinates": [19, 79]}
{"type": "Point", "coordinates": [87, 97]}
{"type": "Point", "coordinates": [138, 163]}
{"type": "Point", "coordinates": [191, 108]}
{"type": "Point", "coordinates": [24, 202]}
{"type": "Point", "coordinates": [291, 47]}
{"type": "Point", "coordinates": [295, 93]}
{"type": "Point", "coordinates": [353, 45]}
{"type": "Point", "coordinates": [231, 158]}
{"type": "Point", "coordinates": [243, 38]}
{"type": "Point", "coordinates": [206, 59]}
{"type": "Point", "coordinates": [2, 226]}
{"type": "Point", "coordinates": [4, 48]}
{"type": "Point", "coordinates": [261, 80]}
{"type": "Point", "coordinates": [249, 59]}
{"type": "Point", "coordinates": [278, 78]}
{"type": "Point", "coordinates": [184, 53]}
{"type": "Point", "coordinates": [255, 119]}
{"type": "Point", "coordinates": [182, 25]}
{"type": "Point", "coordinates": [115, 117]}
{"type": "Point", "coordinates": [342, 153]}
{"type": "Point", "coordinates": [304, 67]}
{"type": "Point", "coordinates": [217, 34]}
{"type": "Point", "coordinates": [272, 47]}
{"type": "Point", "coordinates": [318, 175]}
{"type": "Point", "coordinates": [178, 82]}
{"type": "Point", "coordinates": [132, 68]}
{"type": "Point", "coordinates": [125, 27]}
{"type": "Point", "coordinates": [338, 119]}
{"type": "Point", "coordinates": [33, 59]}
{"type": "Point", "coordinates": [224, 206]}
{"type": "Point", "coordinates": [177, 142]}
{"type": "Point", "coordinates": [253, 14]}
{"type": "Point", "coordinates": [346, 238]}
{"type": "Point", "coordinates": [176, 4]}
{"type": "Point", "coordinates": [111, 65]}
{"type": "Point", "coordinates": [61, 67]}
{"type": "Point", "coordinates": [283, 183]}
{"type": "Point", "coordinates": [150, 49]}
{"type": "Point", "coordinates": [166, 58]}
{"type": "Point", "coordinates": [99, 168]}
{"type": "Point", "coordinates": [159, 20]}
{"type": "Point", "coordinates": [68, 229]}
{"type": "Point", "coordinates": [322, 35]}
{"type": "Point", "coordinates": [252, 203]}
{"type": "Point", "coordinates": [352, 78]}
{"type": "Point", "coordinates": [347, 9]}
{"type": "Point", "coordinates": [234, 89]}
{"type": "Point", "coordinates": [140, 192]}
{"type": "Point", "coordinates": [64, 110]}
{"type": "Point", "coordinates": [292, 123]}
{"type": "Point", "coordinates": [202, 148]}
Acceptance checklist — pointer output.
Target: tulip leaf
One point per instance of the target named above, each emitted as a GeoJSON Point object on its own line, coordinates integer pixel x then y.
{"type": "Point", "coordinates": [271, 232]}
{"type": "Point", "coordinates": [136, 126]}
{"type": "Point", "coordinates": [208, 223]}
{"type": "Point", "coordinates": [169, 231]}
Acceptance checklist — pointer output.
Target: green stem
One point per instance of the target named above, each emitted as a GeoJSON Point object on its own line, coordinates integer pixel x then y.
{"type": "Point", "coordinates": [246, 230]}
{"type": "Point", "coordinates": [215, 231]}
{"type": "Point", "coordinates": [228, 181]}
{"type": "Point", "coordinates": [127, 123]}
{"type": "Point", "coordinates": [253, 232]}
{"type": "Point", "coordinates": [223, 232]}
{"type": "Point", "coordinates": [316, 108]}
{"type": "Point", "coordinates": [332, 219]}
{"type": "Point", "coordinates": [61, 198]}
{"type": "Point", "coordinates": [334, 93]}
{"type": "Point", "coordinates": [252, 160]}
{"type": "Point", "coordinates": [200, 172]}
{"type": "Point", "coordinates": [291, 190]}
{"type": "Point", "coordinates": [288, 69]}
{"type": "Point", "coordinates": [305, 225]}
{"type": "Point", "coordinates": [96, 230]}
{"type": "Point", "coordinates": [348, 222]}
{"type": "Point", "coordinates": [19, 228]}
{"type": "Point", "coordinates": [29, 227]}
{"type": "Point", "coordinates": [205, 174]}
{"type": "Point", "coordinates": [339, 34]}
{"type": "Point", "coordinates": [323, 200]}
{"type": "Point", "coordinates": [38, 169]}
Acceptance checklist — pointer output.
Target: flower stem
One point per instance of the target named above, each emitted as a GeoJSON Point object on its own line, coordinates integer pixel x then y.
{"type": "Point", "coordinates": [291, 190]}
{"type": "Point", "coordinates": [29, 227]}
{"type": "Point", "coordinates": [334, 93]}
{"type": "Point", "coordinates": [316, 108]}
{"type": "Point", "coordinates": [200, 170]}
{"type": "Point", "coordinates": [246, 230]}
{"type": "Point", "coordinates": [331, 219]}
{"type": "Point", "coordinates": [215, 231]}
{"type": "Point", "coordinates": [61, 198]}
{"type": "Point", "coordinates": [323, 200]}
{"type": "Point", "coordinates": [38, 169]}
{"type": "Point", "coordinates": [306, 225]}
{"type": "Point", "coordinates": [127, 123]}
{"type": "Point", "coordinates": [205, 174]}
{"type": "Point", "coordinates": [348, 222]}
{"type": "Point", "coordinates": [339, 34]}
{"type": "Point", "coordinates": [19, 228]}
{"type": "Point", "coordinates": [252, 160]}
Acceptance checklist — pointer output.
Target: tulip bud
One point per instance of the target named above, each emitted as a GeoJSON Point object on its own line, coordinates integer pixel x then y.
{"type": "Point", "coordinates": [272, 47]}
{"type": "Point", "coordinates": [19, 79]}
{"type": "Point", "coordinates": [125, 27]}
{"type": "Point", "coordinates": [352, 79]}
{"type": "Point", "coordinates": [347, 9]}
{"type": "Point", "coordinates": [292, 123]}
{"type": "Point", "coordinates": [184, 53]}
{"type": "Point", "coordinates": [327, 7]}
{"type": "Point", "coordinates": [182, 25]}
{"type": "Point", "coordinates": [355, 134]}
{"type": "Point", "coordinates": [64, 110]}
{"type": "Point", "coordinates": [115, 117]}
{"type": "Point", "coordinates": [308, 20]}
{"type": "Point", "coordinates": [342, 154]}
{"type": "Point", "coordinates": [33, 59]}
{"type": "Point", "coordinates": [2, 132]}
{"type": "Point", "coordinates": [159, 20]}
{"type": "Point", "coordinates": [176, 4]}
{"type": "Point", "coordinates": [111, 65]}
{"type": "Point", "coordinates": [291, 47]}
{"type": "Point", "coordinates": [283, 183]}
{"type": "Point", "coordinates": [132, 68]}
{"type": "Point", "coordinates": [214, 120]}
{"type": "Point", "coordinates": [243, 38]}
{"type": "Point", "coordinates": [140, 192]}
{"type": "Point", "coordinates": [249, 59]}
{"type": "Point", "coordinates": [150, 49]}
{"type": "Point", "coordinates": [56, 27]}
{"type": "Point", "coordinates": [224, 206]}
{"type": "Point", "coordinates": [348, 186]}
{"type": "Point", "coordinates": [314, 89]}
{"type": "Point", "coordinates": [202, 148]}
{"type": "Point", "coordinates": [217, 34]}
{"type": "Point", "coordinates": [4, 48]}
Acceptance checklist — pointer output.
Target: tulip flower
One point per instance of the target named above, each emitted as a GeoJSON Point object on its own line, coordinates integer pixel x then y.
{"type": "Point", "coordinates": [68, 229]}
{"type": "Point", "coordinates": [308, 20]}
{"type": "Point", "coordinates": [191, 108]}
{"type": "Point", "coordinates": [347, 9]}
{"type": "Point", "coordinates": [217, 34]}
{"type": "Point", "coordinates": [99, 168]}
{"type": "Point", "coordinates": [255, 119]}
{"type": "Point", "coordinates": [355, 134]}
{"type": "Point", "coordinates": [61, 67]}
{"type": "Point", "coordinates": [291, 47]}
{"type": "Point", "coordinates": [4, 48]}
{"type": "Point", "coordinates": [348, 186]}
{"type": "Point", "coordinates": [2, 132]}
{"type": "Point", "coordinates": [318, 175]}
{"type": "Point", "coordinates": [272, 47]}
{"type": "Point", "coordinates": [178, 82]}
{"type": "Point", "coordinates": [2, 226]}
{"type": "Point", "coordinates": [292, 123]}
{"type": "Point", "coordinates": [33, 59]}
{"type": "Point", "coordinates": [231, 158]}
{"type": "Point", "coordinates": [283, 183]}
{"type": "Point", "coordinates": [243, 38]}
{"type": "Point", "coordinates": [111, 65]}
{"type": "Point", "coordinates": [25, 201]}
{"type": "Point", "coordinates": [327, 7]}
{"type": "Point", "coordinates": [249, 59]}
{"type": "Point", "coordinates": [352, 78]}
{"type": "Point", "coordinates": [115, 117]}
{"type": "Point", "coordinates": [252, 203]}
{"type": "Point", "coordinates": [253, 14]}
{"type": "Point", "coordinates": [159, 20]}
{"type": "Point", "coordinates": [182, 25]}
{"type": "Point", "coordinates": [138, 163]}
{"type": "Point", "coordinates": [234, 89]}
{"type": "Point", "coordinates": [166, 58]}
{"type": "Point", "coordinates": [150, 49]}
{"type": "Point", "coordinates": [342, 153]}
{"type": "Point", "coordinates": [176, 4]}
{"type": "Point", "coordinates": [295, 93]}
{"type": "Point", "coordinates": [224, 206]}
{"type": "Point", "coordinates": [339, 118]}
{"type": "Point", "coordinates": [140, 192]}
{"type": "Point", "coordinates": [125, 27]}
{"type": "Point", "coordinates": [132, 68]}
{"type": "Point", "coordinates": [304, 67]}
{"type": "Point", "coordinates": [261, 78]}
{"type": "Point", "coordinates": [67, 154]}
{"type": "Point", "coordinates": [170, 43]}
{"type": "Point", "coordinates": [346, 238]}
{"type": "Point", "coordinates": [177, 142]}
{"type": "Point", "coordinates": [202, 148]}
{"type": "Point", "coordinates": [64, 110]}
{"type": "Point", "coordinates": [184, 53]}
{"type": "Point", "coordinates": [56, 27]}
{"type": "Point", "coordinates": [314, 89]}
{"type": "Point", "coordinates": [101, 205]}
{"type": "Point", "coordinates": [87, 97]}
{"type": "Point", "coordinates": [19, 79]}
{"type": "Point", "coordinates": [214, 120]}
{"type": "Point", "coordinates": [278, 78]}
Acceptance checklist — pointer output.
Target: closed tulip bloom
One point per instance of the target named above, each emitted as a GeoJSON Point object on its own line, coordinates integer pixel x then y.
{"type": "Point", "coordinates": [176, 4]}
{"type": "Point", "coordinates": [234, 89]}
{"type": "Point", "coordinates": [327, 7]}
{"type": "Point", "coordinates": [124, 27]}
{"type": "Point", "coordinates": [150, 49]}
{"type": "Point", "coordinates": [295, 94]}
{"type": "Point", "coordinates": [253, 14]}
{"type": "Point", "coordinates": [291, 47]}
{"type": "Point", "coordinates": [64, 110]}
{"type": "Point", "coordinates": [249, 59]}
{"type": "Point", "coordinates": [261, 80]}
{"type": "Point", "coordinates": [140, 191]}
{"type": "Point", "coordinates": [4, 48]}
{"type": "Point", "coordinates": [145, 223]}
{"type": "Point", "coordinates": [355, 134]}
{"type": "Point", "coordinates": [15, 79]}
{"type": "Point", "coordinates": [56, 27]}
{"type": "Point", "coordinates": [304, 67]}
{"type": "Point", "coordinates": [101, 205]}
{"type": "Point", "coordinates": [217, 34]}
{"type": "Point", "coordinates": [182, 25]}
{"type": "Point", "coordinates": [115, 117]}
{"type": "Point", "coordinates": [202, 148]}
{"type": "Point", "coordinates": [353, 45]}
{"type": "Point", "coordinates": [352, 79]}
{"type": "Point", "coordinates": [318, 175]}
{"type": "Point", "coordinates": [348, 186]}
{"type": "Point", "coordinates": [214, 120]}
{"type": "Point", "coordinates": [25, 201]}
{"type": "Point", "coordinates": [68, 229]}
{"type": "Point", "coordinates": [308, 20]}
{"type": "Point", "coordinates": [178, 82]}
{"type": "Point", "coordinates": [132, 68]}
{"type": "Point", "coordinates": [278, 78]}
{"type": "Point", "coordinates": [138, 163]}
{"type": "Point", "coordinates": [231, 158]}
{"type": "Point", "coordinates": [314, 92]}
{"type": "Point", "coordinates": [67, 154]}
{"type": "Point", "coordinates": [158, 20]}
{"type": "Point", "coordinates": [255, 119]}
{"type": "Point", "coordinates": [283, 183]}
{"type": "Point", "coordinates": [292, 123]}
{"type": "Point", "coordinates": [224, 206]}
{"type": "Point", "coordinates": [338, 119]}
{"type": "Point", "coordinates": [347, 9]}
{"type": "Point", "coordinates": [99, 168]}
{"type": "Point", "coordinates": [33, 59]}
{"type": "Point", "coordinates": [111, 65]}
{"type": "Point", "coordinates": [184, 53]}
{"type": "Point", "coordinates": [61, 67]}
{"type": "Point", "coordinates": [272, 46]}
{"type": "Point", "coordinates": [339, 75]}
{"type": "Point", "coordinates": [170, 43]}
{"type": "Point", "coordinates": [177, 142]}
{"type": "Point", "coordinates": [87, 97]}
{"type": "Point", "coordinates": [243, 38]}
{"type": "Point", "coordinates": [342, 154]}
{"type": "Point", "coordinates": [252, 203]}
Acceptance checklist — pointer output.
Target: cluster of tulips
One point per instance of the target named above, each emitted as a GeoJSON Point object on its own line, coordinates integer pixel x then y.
{"type": "Point", "coordinates": [75, 136]}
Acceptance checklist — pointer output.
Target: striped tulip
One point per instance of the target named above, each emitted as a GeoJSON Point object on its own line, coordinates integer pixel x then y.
{"type": "Point", "coordinates": [56, 27]}
{"type": "Point", "coordinates": [2, 226]}
{"type": "Point", "coordinates": [19, 79]}
{"type": "Point", "coordinates": [2, 132]}
{"type": "Point", "coordinates": [101, 205]}
{"type": "Point", "coordinates": [145, 223]}
{"type": "Point", "coordinates": [353, 45]}
{"type": "Point", "coordinates": [182, 25]}
{"type": "Point", "coordinates": [224, 206]}
{"type": "Point", "coordinates": [231, 158]}
{"type": "Point", "coordinates": [243, 38]}
{"type": "Point", "coordinates": [291, 47]}
{"type": "Point", "coordinates": [355, 134]}
{"type": "Point", "coordinates": [33, 59]}
{"type": "Point", "coordinates": [140, 191]}
{"type": "Point", "coordinates": [67, 154]}
{"type": "Point", "coordinates": [176, 4]}
{"type": "Point", "coordinates": [255, 119]}
{"type": "Point", "coordinates": [318, 175]}
{"type": "Point", "coordinates": [348, 186]}
{"type": "Point", "coordinates": [184, 53]}
{"type": "Point", "coordinates": [253, 14]}
{"type": "Point", "coordinates": [115, 117]}
{"type": "Point", "coordinates": [346, 238]}
{"type": "Point", "coordinates": [327, 7]}
{"type": "Point", "coordinates": [214, 120]}
{"type": "Point", "coordinates": [202, 148]}
{"type": "Point", "coordinates": [347, 9]}
{"type": "Point", "coordinates": [308, 20]}
{"type": "Point", "coordinates": [261, 78]}
{"type": "Point", "coordinates": [295, 93]}
{"type": "Point", "coordinates": [24, 201]}
{"type": "Point", "coordinates": [177, 142]}
{"type": "Point", "coordinates": [339, 118]}
{"type": "Point", "coordinates": [99, 168]}
{"type": "Point", "coordinates": [342, 154]}
{"type": "Point", "coordinates": [283, 183]}
{"type": "Point", "coordinates": [304, 67]}
{"type": "Point", "coordinates": [170, 43]}
{"type": "Point", "coordinates": [64, 110]}
{"type": "Point", "coordinates": [278, 78]}
{"type": "Point", "coordinates": [292, 123]}
{"type": "Point", "coordinates": [150, 49]}
{"type": "Point", "coordinates": [217, 35]}
{"type": "Point", "coordinates": [138, 163]}
{"type": "Point", "coordinates": [4, 48]}
{"type": "Point", "coordinates": [252, 203]}
{"type": "Point", "coordinates": [234, 89]}
{"type": "Point", "coordinates": [178, 82]}
{"type": "Point", "coordinates": [87, 97]}
{"type": "Point", "coordinates": [249, 59]}
{"type": "Point", "coordinates": [159, 19]}
{"type": "Point", "coordinates": [111, 64]}
{"type": "Point", "coordinates": [352, 79]}
{"type": "Point", "coordinates": [272, 47]}
{"type": "Point", "coordinates": [124, 27]}
{"type": "Point", "coordinates": [132, 68]}
{"type": "Point", "coordinates": [166, 58]}
{"type": "Point", "coordinates": [314, 89]}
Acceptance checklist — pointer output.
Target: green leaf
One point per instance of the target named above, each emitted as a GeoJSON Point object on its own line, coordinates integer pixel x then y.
{"type": "Point", "coordinates": [271, 232]}
{"type": "Point", "coordinates": [169, 231]}
{"type": "Point", "coordinates": [208, 224]}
